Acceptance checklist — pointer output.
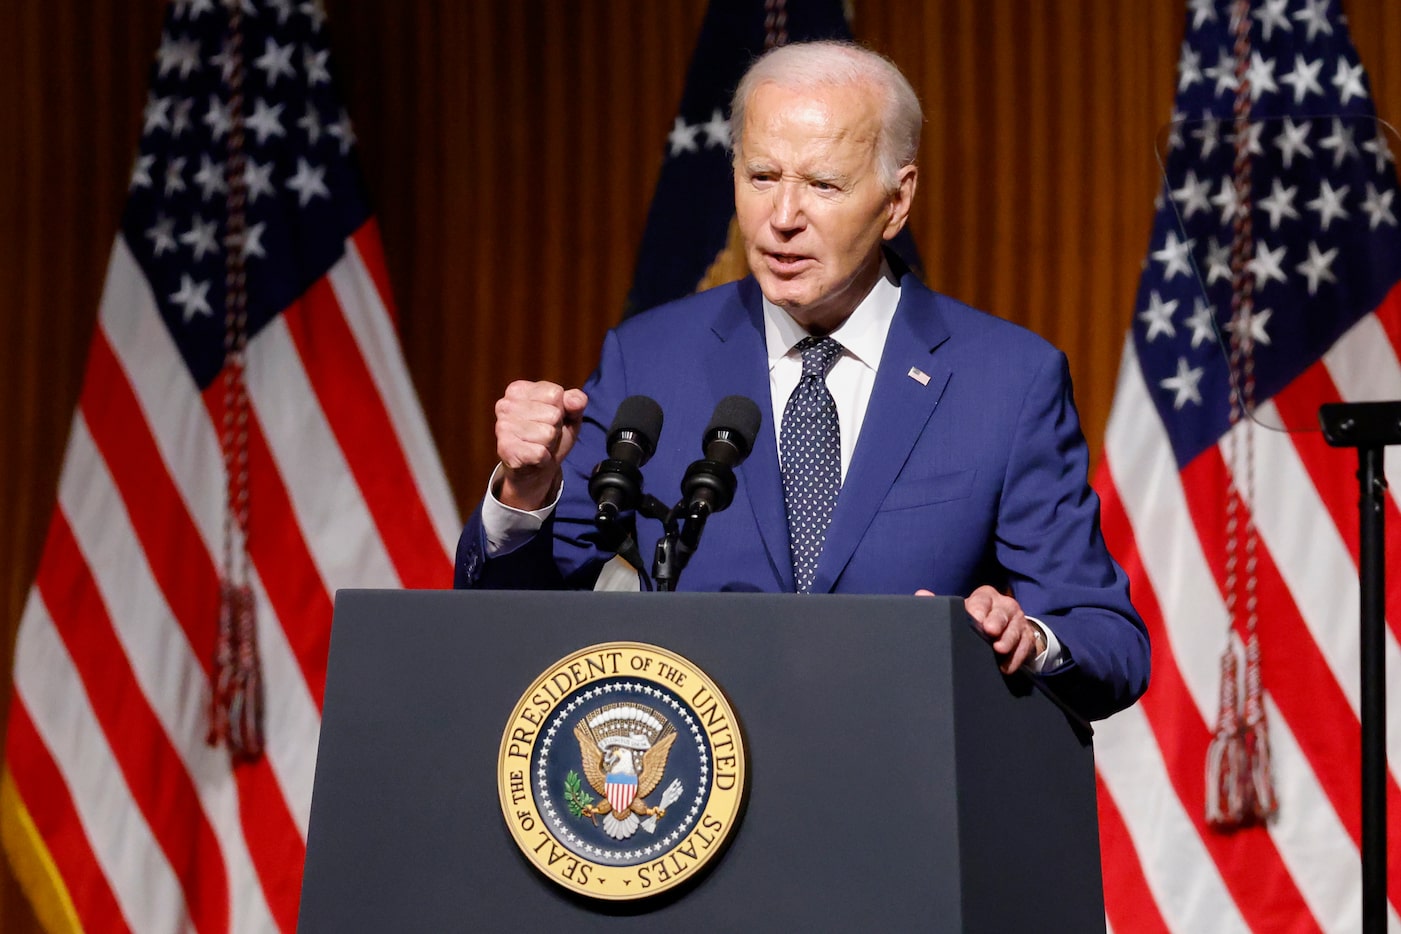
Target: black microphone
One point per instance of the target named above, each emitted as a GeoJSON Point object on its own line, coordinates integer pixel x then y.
{"type": "Point", "coordinates": [616, 484]}
{"type": "Point", "coordinates": [709, 484]}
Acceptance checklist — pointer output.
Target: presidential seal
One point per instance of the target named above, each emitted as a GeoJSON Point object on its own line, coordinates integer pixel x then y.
{"type": "Point", "coordinates": [621, 771]}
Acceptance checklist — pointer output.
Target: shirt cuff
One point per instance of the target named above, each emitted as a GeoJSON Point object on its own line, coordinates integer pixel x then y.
{"type": "Point", "coordinates": [1053, 656]}
{"type": "Point", "coordinates": [507, 528]}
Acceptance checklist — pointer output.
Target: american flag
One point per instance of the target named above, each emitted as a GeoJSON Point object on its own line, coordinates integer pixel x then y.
{"type": "Point", "coordinates": [1229, 525]}
{"type": "Point", "coordinates": [119, 814]}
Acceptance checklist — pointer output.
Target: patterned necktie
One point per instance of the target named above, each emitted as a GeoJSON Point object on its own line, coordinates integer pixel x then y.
{"type": "Point", "coordinates": [810, 448]}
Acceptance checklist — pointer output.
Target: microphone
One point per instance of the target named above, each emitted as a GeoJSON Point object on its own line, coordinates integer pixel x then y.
{"type": "Point", "coordinates": [616, 483]}
{"type": "Point", "coordinates": [709, 484]}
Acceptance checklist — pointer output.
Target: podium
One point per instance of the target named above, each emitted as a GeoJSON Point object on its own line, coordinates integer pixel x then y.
{"type": "Point", "coordinates": [896, 780]}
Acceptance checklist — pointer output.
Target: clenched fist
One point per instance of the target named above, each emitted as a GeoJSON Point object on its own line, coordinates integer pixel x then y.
{"type": "Point", "coordinates": [536, 425]}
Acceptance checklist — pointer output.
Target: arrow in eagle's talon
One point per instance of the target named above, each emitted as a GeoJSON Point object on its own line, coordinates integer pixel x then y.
{"type": "Point", "coordinates": [669, 797]}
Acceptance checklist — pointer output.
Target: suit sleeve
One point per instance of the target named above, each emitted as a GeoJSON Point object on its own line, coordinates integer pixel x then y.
{"type": "Point", "coordinates": [1048, 539]}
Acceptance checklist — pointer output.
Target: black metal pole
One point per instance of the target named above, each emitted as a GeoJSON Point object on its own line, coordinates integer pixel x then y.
{"type": "Point", "coordinates": [1372, 576]}
{"type": "Point", "coordinates": [1370, 427]}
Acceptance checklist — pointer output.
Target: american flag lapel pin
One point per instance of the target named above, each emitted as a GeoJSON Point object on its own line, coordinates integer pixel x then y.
{"type": "Point", "coordinates": [918, 375]}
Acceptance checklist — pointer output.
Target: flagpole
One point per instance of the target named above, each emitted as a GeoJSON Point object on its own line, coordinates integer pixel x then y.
{"type": "Point", "coordinates": [1370, 427]}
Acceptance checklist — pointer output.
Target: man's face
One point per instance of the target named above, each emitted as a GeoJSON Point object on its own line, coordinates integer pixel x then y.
{"type": "Point", "coordinates": [809, 200]}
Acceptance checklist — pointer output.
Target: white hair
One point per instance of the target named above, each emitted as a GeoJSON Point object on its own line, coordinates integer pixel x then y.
{"type": "Point", "coordinates": [805, 66]}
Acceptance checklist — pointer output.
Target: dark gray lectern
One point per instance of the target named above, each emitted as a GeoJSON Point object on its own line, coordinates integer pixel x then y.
{"type": "Point", "coordinates": [897, 782]}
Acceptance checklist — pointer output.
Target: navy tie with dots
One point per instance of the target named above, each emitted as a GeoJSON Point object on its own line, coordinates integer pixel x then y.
{"type": "Point", "coordinates": [810, 448]}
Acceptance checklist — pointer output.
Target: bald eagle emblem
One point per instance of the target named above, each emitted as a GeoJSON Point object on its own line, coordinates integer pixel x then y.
{"type": "Point", "coordinates": [624, 748]}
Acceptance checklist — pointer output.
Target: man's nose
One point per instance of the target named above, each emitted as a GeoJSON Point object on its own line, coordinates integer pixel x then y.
{"type": "Point", "coordinates": [788, 213]}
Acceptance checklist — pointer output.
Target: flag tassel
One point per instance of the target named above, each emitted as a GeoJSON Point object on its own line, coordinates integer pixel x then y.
{"type": "Point", "coordinates": [1263, 803]}
{"type": "Point", "coordinates": [1226, 767]}
{"type": "Point", "coordinates": [236, 710]}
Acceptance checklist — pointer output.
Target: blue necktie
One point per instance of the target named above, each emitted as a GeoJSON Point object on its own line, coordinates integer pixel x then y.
{"type": "Point", "coordinates": [810, 448]}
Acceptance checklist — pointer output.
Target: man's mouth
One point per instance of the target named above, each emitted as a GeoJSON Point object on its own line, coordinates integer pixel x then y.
{"type": "Point", "coordinates": [787, 263]}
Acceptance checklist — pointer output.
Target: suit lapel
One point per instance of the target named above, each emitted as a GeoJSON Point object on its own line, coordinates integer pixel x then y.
{"type": "Point", "coordinates": [900, 407]}
{"type": "Point", "coordinates": [738, 363]}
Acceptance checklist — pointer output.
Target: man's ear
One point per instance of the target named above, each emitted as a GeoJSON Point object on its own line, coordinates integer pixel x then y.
{"type": "Point", "coordinates": [901, 200]}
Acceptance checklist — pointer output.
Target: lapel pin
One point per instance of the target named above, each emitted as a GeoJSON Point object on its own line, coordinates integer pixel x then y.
{"type": "Point", "coordinates": [918, 375]}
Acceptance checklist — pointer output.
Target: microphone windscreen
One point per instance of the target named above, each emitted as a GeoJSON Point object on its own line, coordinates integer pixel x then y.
{"type": "Point", "coordinates": [738, 415]}
{"type": "Point", "coordinates": [642, 416]}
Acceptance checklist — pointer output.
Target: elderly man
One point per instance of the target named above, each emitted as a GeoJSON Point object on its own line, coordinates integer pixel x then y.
{"type": "Point", "coordinates": [915, 445]}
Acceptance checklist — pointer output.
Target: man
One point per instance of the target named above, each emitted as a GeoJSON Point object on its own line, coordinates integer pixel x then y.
{"type": "Point", "coordinates": [940, 453]}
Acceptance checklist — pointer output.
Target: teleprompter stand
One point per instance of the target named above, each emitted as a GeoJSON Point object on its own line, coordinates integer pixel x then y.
{"type": "Point", "coordinates": [1371, 427]}
{"type": "Point", "coordinates": [896, 780]}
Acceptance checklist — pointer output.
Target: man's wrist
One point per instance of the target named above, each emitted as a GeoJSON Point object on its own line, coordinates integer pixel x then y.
{"type": "Point", "coordinates": [528, 495]}
{"type": "Point", "coordinates": [1039, 635]}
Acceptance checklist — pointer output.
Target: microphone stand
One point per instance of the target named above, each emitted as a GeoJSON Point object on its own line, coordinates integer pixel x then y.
{"type": "Point", "coordinates": [1370, 427]}
{"type": "Point", "coordinates": [677, 544]}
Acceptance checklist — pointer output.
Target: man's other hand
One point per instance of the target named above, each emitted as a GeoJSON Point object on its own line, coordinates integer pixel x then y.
{"type": "Point", "coordinates": [1015, 639]}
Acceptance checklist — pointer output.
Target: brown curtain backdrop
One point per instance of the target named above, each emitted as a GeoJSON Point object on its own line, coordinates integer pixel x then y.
{"type": "Point", "coordinates": [511, 149]}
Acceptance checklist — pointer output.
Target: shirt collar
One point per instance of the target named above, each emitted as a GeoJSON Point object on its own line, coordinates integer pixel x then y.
{"type": "Point", "coordinates": [862, 334]}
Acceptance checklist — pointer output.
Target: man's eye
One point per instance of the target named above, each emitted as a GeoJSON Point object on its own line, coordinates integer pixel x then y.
{"type": "Point", "coordinates": [824, 186]}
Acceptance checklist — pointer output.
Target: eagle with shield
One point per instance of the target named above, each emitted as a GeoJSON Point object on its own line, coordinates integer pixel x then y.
{"type": "Point", "coordinates": [624, 748]}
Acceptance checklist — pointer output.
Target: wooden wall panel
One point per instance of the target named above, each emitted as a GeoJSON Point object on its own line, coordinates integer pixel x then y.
{"type": "Point", "coordinates": [1037, 167]}
{"type": "Point", "coordinates": [511, 149]}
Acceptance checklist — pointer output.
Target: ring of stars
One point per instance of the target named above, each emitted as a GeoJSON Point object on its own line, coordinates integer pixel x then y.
{"type": "Point", "coordinates": [558, 816]}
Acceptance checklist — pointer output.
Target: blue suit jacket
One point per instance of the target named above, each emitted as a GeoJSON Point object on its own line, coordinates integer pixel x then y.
{"type": "Point", "coordinates": [976, 477]}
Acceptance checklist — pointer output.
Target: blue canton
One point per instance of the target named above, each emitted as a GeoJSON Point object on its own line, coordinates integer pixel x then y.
{"type": "Point", "coordinates": [1326, 247]}
{"type": "Point", "coordinates": [304, 194]}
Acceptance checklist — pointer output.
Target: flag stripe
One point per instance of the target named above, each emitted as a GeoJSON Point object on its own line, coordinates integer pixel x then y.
{"type": "Point", "coordinates": [356, 414]}
{"type": "Point", "coordinates": [149, 763]}
{"type": "Point", "coordinates": [1180, 705]}
{"type": "Point", "coordinates": [1314, 564]}
{"type": "Point", "coordinates": [59, 703]}
{"type": "Point", "coordinates": [273, 843]}
{"type": "Point", "coordinates": [1180, 738]}
{"type": "Point", "coordinates": [1365, 368]}
{"type": "Point", "coordinates": [292, 717]}
{"type": "Point", "coordinates": [1170, 712]}
{"type": "Point", "coordinates": [326, 505]}
{"type": "Point", "coordinates": [283, 561]}
{"type": "Point", "coordinates": [1162, 831]}
{"type": "Point", "coordinates": [1136, 910]}
{"type": "Point", "coordinates": [1307, 822]}
{"type": "Point", "coordinates": [367, 249]}
{"type": "Point", "coordinates": [189, 585]}
{"type": "Point", "coordinates": [1319, 560]}
{"type": "Point", "coordinates": [1334, 751]}
{"type": "Point", "coordinates": [1139, 459]}
{"type": "Point", "coordinates": [1298, 410]}
{"type": "Point", "coordinates": [368, 308]}
{"type": "Point", "coordinates": [1308, 826]}
{"type": "Point", "coordinates": [188, 580]}
{"type": "Point", "coordinates": [1388, 317]}
{"type": "Point", "coordinates": [1296, 784]}
{"type": "Point", "coordinates": [56, 820]}
{"type": "Point", "coordinates": [185, 436]}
